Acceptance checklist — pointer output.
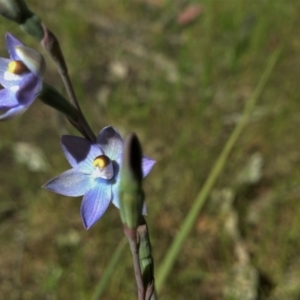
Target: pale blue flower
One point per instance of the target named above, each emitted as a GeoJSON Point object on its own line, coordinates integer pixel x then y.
{"type": "Point", "coordinates": [95, 172]}
{"type": "Point", "coordinates": [21, 76]}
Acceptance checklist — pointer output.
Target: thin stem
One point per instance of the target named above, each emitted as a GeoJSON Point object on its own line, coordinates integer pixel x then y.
{"type": "Point", "coordinates": [51, 45]}
{"type": "Point", "coordinates": [72, 96]}
{"type": "Point", "coordinates": [146, 259]}
{"type": "Point", "coordinates": [134, 248]}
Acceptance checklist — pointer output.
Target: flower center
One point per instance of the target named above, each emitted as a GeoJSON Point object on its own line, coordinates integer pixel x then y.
{"type": "Point", "coordinates": [101, 161]}
{"type": "Point", "coordinates": [103, 167]}
{"type": "Point", "coordinates": [17, 67]}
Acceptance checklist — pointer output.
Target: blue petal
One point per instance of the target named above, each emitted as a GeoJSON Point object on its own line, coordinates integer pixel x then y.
{"type": "Point", "coordinates": [71, 183]}
{"type": "Point", "coordinates": [111, 143]}
{"type": "Point", "coordinates": [11, 43]}
{"type": "Point", "coordinates": [30, 87]}
{"type": "Point", "coordinates": [95, 203]}
{"type": "Point", "coordinates": [116, 191]}
{"type": "Point", "coordinates": [9, 105]}
{"type": "Point", "coordinates": [4, 65]}
{"type": "Point", "coordinates": [8, 99]}
{"type": "Point", "coordinates": [80, 152]}
{"type": "Point", "coordinates": [13, 103]}
{"type": "Point", "coordinates": [147, 164]}
{"type": "Point", "coordinates": [12, 112]}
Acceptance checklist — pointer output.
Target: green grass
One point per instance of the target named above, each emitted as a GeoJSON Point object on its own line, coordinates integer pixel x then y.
{"type": "Point", "coordinates": [216, 61]}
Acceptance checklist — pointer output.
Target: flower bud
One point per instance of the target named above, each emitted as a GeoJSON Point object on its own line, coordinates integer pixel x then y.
{"type": "Point", "coordinates": [131, 193]}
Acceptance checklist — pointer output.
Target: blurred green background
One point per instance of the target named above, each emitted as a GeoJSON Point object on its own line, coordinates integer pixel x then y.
{"type": "Point", "coordinates": [178, 73]}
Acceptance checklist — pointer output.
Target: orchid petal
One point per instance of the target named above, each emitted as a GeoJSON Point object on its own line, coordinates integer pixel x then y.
{"type": "Point", "coordinates": [29, 89]}
{"type": "Point", "coordinates": [80, 152]}
{"type": "Point", "coordinates": [116, 191]}
{"type": "Point", "coordinates": [95, 203]}
{"type": "Point", "coordinates": [147, 164]}
{"type": "Point", "coordinates": [71, 183]}
{"type": "Point", "coordinates": [10, 80]}
{"type": "Point", "coordinates": [11, 43]}
{"type": "Point", "coordinates": [8, 99]}
{"type": "Point", "coordinates": [116, 185]}
{"type": "Point", "coordinates": [4, 65]}
{"type": "Point", "coordinates": [12, 112]}
{"type": "Point", "coordinates": [15, 100]}
{"type": "Point", "coordinates": [111, 143]}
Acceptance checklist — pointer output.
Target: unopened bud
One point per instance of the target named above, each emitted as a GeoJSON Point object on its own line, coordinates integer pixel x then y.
{"type": "Point", "coordinates": [131, 193]}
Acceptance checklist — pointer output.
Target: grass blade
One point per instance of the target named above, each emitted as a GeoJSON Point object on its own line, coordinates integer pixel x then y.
{"type": "Point", "coordinates": [101, 286]}
{"type": "Point", "coordinates": [172, 254]}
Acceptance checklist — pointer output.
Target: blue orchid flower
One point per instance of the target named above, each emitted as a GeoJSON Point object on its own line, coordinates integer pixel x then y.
{"type": "Point", "coordinates": [95, 173]}
{"type": "Point", "coordinates": [21, 76]}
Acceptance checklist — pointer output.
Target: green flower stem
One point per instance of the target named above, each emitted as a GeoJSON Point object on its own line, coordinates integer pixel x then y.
{"type": "Point", "coordinates": [51, 45]}
{"type": "Point", "coordinates": [135, 227]}
{"type": "Point", "coordinates": [56, 100]}
{"type": "Point", "coordinates": [189, 221]}
{"type": "Point", "coordinates": [146, 260]}
{"type": "Point", "coordinates": [131, 235]}
{"type": "Point", "coordinates": [51, 97]}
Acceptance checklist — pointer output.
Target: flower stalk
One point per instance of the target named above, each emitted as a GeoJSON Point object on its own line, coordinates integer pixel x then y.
{"type": "Point", "coordinates": [134, 224]}
{"type": "Point", "coordinates": [51, 45]}
{"type": "Point", "coordinates": [51, 97]}
{"type": "Point", "coordinates": [146, 260]}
